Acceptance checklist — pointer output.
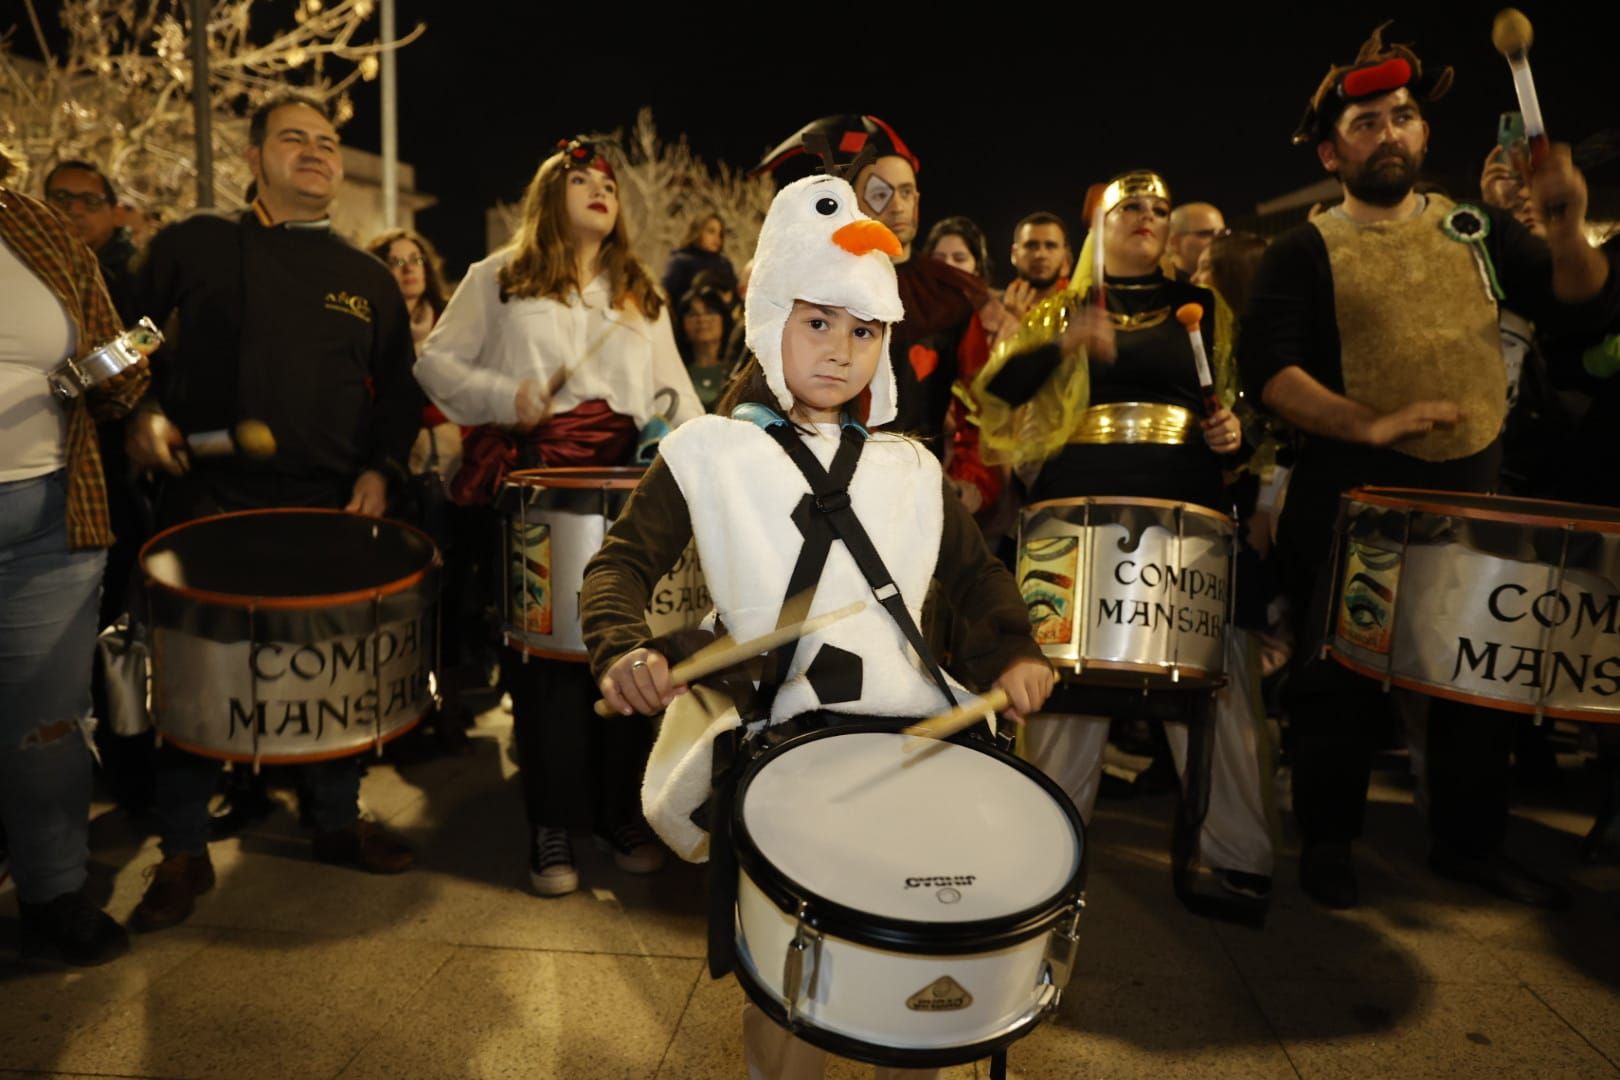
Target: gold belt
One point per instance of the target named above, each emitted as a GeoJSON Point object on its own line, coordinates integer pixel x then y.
{"type": "Point", "coordinates": [1135, 422]}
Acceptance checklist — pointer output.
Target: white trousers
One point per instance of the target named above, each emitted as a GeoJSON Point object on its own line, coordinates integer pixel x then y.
{"type": "Point", "coordinates": [1237, 831]}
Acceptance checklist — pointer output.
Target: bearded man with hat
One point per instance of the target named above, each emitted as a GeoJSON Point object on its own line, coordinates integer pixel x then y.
{"type": "Point", "coordinates": [1373, 330]}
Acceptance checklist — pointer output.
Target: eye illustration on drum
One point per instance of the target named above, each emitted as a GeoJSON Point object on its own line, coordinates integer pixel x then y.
{"type": "Point", "coordinates": [555, 521]}
{"type": "Point", "coordinates": [288, 636]}
{"type": "Point", "coordinates": [530, 574]}
{"type": "Point", "coordinates": [1128, 591]}
{"type": "Point", "coordinates": [1504, 602]}
{"type": "Point", "coordinates": [910, 910]}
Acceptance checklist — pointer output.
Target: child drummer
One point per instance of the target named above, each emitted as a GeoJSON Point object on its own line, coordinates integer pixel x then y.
{"type": "Point", "coordinates": [758, 486]}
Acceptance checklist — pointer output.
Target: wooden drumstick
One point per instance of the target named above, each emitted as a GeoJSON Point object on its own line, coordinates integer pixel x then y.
{"type": "Point", "coordinates": [1190, 316]}
{"type": "Point", "coordinates": [723, 653]}
{"type": "Point", "coordinates": [965, 715]}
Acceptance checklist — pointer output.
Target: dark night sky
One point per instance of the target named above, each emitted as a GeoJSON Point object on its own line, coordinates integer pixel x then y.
{"type": "Point", "coordinates": [1026, 123]}
{"type": "Point", "coordinates": [1020, 111]}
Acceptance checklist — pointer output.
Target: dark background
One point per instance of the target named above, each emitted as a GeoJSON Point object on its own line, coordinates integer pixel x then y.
{"type": "Point", "coordinates": [1019, 109]}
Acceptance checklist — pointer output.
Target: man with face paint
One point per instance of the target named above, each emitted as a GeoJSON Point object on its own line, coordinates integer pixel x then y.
{"type": "Point", "coordinates": [939, 299]}
{"type": "Point", "coordinates": [1395, 376]}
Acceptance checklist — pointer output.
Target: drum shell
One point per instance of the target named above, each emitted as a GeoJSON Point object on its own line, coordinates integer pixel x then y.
{"type": "Point", "coordinates": [1507, 603]}
{"type": "Point", "coordinates": [554, 522]}
{"type": "Point", "coordinates": [869, 965]}
{"type": "Point", "coordinates": [286, 679]}
{"type": "Point", "coordinates": [1129, 591]}
{"type": "Point", "coordinates": [858, 995]}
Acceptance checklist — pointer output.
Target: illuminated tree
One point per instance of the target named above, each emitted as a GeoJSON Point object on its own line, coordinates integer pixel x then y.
{"type": "Point", "coordinates": [119, 92]}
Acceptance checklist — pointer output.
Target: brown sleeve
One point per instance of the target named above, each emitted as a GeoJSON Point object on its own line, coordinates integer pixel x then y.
{"type": "Point", "coordinates": [646, 540]}
{"type": "Point", "coordinates": [990, 616]}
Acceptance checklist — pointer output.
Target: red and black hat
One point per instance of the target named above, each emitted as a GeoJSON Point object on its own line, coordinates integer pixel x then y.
{"type": "Point", "coordinates": [1377, 69]}
{"type": "Point", "coordinates": [584, 152]}
{"type": "Point", "coordinates": [848, 137]}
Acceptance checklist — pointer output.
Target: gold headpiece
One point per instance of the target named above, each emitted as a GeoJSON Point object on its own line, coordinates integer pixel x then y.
{"type": "Point", "coordinates": [1130, 185]}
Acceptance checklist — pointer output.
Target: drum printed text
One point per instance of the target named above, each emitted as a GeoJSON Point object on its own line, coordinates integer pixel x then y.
{"type": "Point", "coordinates": [1580, 621]}
{"type": "Point", "coordinates": [302, 688]}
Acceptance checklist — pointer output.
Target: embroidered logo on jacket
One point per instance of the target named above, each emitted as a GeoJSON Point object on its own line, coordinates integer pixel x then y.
{"type": "Point", "coordinates": [358, 306]}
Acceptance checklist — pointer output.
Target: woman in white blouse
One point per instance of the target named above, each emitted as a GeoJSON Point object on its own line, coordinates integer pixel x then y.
{"type": "Point", "coordinates": [560, 346]}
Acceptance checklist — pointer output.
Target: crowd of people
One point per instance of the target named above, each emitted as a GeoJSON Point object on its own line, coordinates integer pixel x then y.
{"type": "Point", "coordinates": [390, 393]}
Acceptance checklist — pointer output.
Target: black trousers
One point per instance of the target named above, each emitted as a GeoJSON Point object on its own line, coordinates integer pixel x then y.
{"type": "Point", "coordinates": [1337, 718]}
{"type": "Point", "coordinates": [568, 757]}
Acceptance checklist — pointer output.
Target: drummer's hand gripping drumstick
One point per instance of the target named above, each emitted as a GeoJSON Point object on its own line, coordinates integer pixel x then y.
{"type": "Point", "coordinates": [723, 653]}
{"type": "Point", "coordinates": [1190, 316]}
{"type": "Point", "coordinates": [965, 715]}
{"type": "Point", "coordinates": [250, 438]}
{"type": "Point", "coordinates": [1512, 35]}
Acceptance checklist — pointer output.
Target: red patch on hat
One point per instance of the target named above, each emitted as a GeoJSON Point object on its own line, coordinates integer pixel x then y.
{"type": "Point", "coordinates": [1378, 79]}
{"type": "Point", "coordinates": [852, 142]}
{"type": "Point", "coordinates": [923, 361]}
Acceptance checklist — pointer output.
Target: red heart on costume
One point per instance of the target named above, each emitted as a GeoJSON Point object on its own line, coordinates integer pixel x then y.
{"type": "Point", "coordinates": [923, 361]}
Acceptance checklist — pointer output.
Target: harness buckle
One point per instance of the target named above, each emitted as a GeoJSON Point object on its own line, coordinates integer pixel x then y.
{"type": "Point", "coordinates": [832, 504]}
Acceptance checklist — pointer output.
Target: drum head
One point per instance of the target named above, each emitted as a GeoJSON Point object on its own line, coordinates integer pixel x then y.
{"type": "Point", "coordinates": [945, 834]}
{"type": "Point", "coordinates": [285, 554]}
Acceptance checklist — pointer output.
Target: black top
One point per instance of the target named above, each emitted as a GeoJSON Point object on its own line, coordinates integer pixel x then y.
{"type": "Point", "coordinates": [1292, 319]}
{"type": "Point", "coordinates": [1154, 363]}
{"type": "Point", "coordinates": [939, 301]}
{"type": "Point", "coordinates": [291, 325]}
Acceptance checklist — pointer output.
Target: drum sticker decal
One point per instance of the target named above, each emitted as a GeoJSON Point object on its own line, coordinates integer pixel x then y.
{"type": "Point", "coordinates": [1047, 569]}
{"type": "Point", "coordinates": [944, 994]}
{"type": "Point", "coordinates": [1367, 602]}
{"type": "Point", "coordinates": [531, 576]}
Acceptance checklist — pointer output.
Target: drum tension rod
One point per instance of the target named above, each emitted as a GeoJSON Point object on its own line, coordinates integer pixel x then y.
{"type": "Point", "coordinates": [793, 966]}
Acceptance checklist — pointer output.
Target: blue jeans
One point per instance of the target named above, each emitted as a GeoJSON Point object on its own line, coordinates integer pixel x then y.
{"type": "Point", "coordinates": [48, 603]}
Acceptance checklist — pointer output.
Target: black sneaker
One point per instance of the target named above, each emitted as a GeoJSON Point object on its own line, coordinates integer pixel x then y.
{"type": "Point", "coordinates": [635, 849]}
{"type": "Point", "coordinates": [71, 930]}
{"type": "Point", "coordinates": [551, 862]}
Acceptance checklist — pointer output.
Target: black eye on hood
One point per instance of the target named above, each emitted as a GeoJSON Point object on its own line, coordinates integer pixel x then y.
{"type": "Point", "coordinates": [827, 206]}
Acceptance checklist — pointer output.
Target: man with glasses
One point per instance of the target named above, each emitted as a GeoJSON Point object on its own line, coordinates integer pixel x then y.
{"type": "Point", "coordinates": [85, 197]}
{"type": "Point", "coordinates": [1192, 228]}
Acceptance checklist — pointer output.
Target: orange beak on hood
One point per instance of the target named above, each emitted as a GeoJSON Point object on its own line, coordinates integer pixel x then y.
{"type": "Point", "coordinates": [860, 237]}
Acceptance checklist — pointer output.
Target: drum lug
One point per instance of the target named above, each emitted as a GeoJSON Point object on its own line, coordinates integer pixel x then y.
{"type": "Point", "coordinates": [793, 967]}
{"type": "Point", "coordinates": [1061, 950]}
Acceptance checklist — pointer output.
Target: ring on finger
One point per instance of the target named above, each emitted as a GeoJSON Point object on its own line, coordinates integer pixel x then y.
{"type": "Point", "coordinates": [638, 664]}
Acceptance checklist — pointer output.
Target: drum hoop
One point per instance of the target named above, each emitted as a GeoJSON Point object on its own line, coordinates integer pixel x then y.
{"type": "Point", "coordinates": [1406, 682]}
{"type": "Point", "coordinates": [291, 603]}
{"type": "Point", "coordinates": [1433, 502]}
{"type": "Point", "coordinates": [1192, 678]}
{"type": "Point", "coordinates": [875, 1053]}
{"type": "Point", "coordinates": [889, 932]}
{"type": "Point", "coordinates": [1131, 500]}
{"type": "Point", "coordinates": [579, 477]}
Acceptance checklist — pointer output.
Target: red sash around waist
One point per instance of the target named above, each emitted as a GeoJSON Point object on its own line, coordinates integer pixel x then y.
{"type": "Point", "coordinates": [589, 434]}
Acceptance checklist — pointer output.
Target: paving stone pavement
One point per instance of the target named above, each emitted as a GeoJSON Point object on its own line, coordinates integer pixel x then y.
{"type": "Point", "coordinates": [294, 969]}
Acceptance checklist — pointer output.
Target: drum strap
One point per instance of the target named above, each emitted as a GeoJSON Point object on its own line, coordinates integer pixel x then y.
{"type": "Point", "coordinates": [829, 503]}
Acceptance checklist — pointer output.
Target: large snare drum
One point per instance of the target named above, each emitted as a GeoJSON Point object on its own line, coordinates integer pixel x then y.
{"type": "Point", "coordinates": [904, 909]}
{"type": "Point", "coordinates": [288, 636]}
{"type": "Point", "coordinates": [1128, 591]}
{"type": "Point", "coordinates": [555, 521]}
{"type": "Point", "coordinates": [1503, 602]}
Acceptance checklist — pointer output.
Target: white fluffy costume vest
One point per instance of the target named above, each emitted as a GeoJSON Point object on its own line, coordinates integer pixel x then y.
{"type": "Point", "coordinates": [741, 490]}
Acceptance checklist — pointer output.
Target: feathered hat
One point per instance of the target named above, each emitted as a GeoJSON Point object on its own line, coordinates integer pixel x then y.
{"type": "Point", "coordinates": [816, 246]}
{"type": "Point", "coordinates": [1377, 69]}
